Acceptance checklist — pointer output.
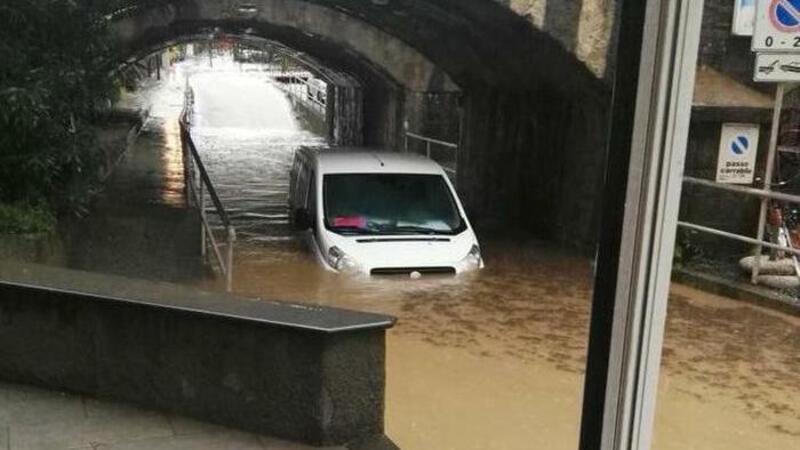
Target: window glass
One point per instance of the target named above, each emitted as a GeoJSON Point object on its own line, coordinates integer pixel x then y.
{"type": "Point", "coordinates": [728, 374]}
{"type": "Point", "coordinates": [390, 204]}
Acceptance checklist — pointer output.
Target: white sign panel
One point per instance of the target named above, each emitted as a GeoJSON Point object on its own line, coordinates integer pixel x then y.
{"type": "Point", "coordinates": [777, 26]}
{"type": "Point", "coordinates": [738, 148]}
{"type": "Point", "coordinates": [777, 67]}
{"type": "Point", "coordinates": [744, 16]}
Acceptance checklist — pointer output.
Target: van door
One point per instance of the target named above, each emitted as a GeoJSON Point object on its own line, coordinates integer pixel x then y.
{"type": "Point", "coordinates": [313, 236]}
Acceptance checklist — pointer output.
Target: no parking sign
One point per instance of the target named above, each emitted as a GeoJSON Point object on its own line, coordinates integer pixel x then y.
{"type": "Point", "coordinates": [777, 26]}
{"type": "Point", "coordinates": [738, 147]}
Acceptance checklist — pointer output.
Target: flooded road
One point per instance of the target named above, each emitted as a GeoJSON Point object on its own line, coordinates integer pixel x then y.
{"type": "Point", "coordinates": [248, 150]}
{"type": "Point", "coordinates": [494, 360]}
{"type": "Point", "coordinates": [489, 360]}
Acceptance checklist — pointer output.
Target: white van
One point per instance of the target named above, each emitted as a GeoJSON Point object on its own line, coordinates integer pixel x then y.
{"type": "Point", "coordinates": [380, 213]}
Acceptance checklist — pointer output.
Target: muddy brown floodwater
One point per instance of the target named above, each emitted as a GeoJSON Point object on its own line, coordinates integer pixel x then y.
{"type": "Point", "coordinates": [495, 359]}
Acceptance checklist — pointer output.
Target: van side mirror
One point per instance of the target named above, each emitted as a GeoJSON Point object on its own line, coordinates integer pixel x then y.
{"type": "Point", "coordinates": [302, 219]}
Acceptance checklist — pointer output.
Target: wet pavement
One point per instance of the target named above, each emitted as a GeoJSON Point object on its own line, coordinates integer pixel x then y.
{"type": "Point", "coordinates": [139, 225]}
{"type": "Point", "coordinates": [495, 359]}
{"type": "Point", "coordinates": [36, 419]}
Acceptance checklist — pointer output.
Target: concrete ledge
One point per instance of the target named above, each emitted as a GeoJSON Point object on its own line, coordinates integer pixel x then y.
{"type": "Point", "coordinates": [310, 374]}
{"type": "Point", "coordinates": [745, 292]}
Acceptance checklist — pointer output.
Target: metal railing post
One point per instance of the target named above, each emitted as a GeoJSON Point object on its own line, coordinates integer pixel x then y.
{"type": "Point", "coordinates": [773, 145]}
{"type": "Point", "coordinates": [428, 149]}
{"type": "Point", "coordinates": [202, 220]}
{"type": "Point", "coordinates": [405, 136]}
{"type": "Point", "coordinates": [229, 259]}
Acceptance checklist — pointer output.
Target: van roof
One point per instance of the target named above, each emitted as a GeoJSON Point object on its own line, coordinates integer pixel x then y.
{"type": "Point", "coordinates": [348, 160]}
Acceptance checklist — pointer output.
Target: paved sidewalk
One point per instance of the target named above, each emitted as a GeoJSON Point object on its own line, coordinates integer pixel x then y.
{"type": "Point", "coordinates": [37, 419]}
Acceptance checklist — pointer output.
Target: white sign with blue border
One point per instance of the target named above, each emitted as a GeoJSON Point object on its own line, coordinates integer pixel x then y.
{"type": "Point", "coordinates": [777, 26]}
{"type": "Point", "coordinates": [738, 149]}
{"type": "Point", "coordinates": [744, 17]}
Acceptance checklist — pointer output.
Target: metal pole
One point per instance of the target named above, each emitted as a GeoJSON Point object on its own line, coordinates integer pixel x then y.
{"type": "Point", "coordinates": [202, 220]}
{"type": "Point", "coordinates": [761, 193]}
{"type": "Point", "coordinates": [405, 135]}
{"type": "Point", "coordinates": [737, 237]}
{"type": "Point", "coordinates": [229, 262]}
{"type": "Point", "coordinates": [773, 145]}
{"type": "Point", "coordinates": [428, 149]}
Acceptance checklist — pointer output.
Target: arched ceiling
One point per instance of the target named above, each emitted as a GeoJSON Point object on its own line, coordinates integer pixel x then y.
{"type": "Point", "coordinates": [424, 45]}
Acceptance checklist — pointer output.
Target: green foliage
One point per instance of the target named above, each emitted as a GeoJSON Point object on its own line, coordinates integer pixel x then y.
{"type": "Point", "coordinates": [54, 78]}
{"type": "Point", "coordinates": [25, 219]}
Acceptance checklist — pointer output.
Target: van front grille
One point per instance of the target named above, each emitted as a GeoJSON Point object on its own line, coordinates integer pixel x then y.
{"type": "Point", "coordinates": [409, 270]}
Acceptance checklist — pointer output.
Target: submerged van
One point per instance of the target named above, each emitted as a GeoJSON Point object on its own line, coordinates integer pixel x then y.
{"type": "Point", "coordinates": [380, 213]}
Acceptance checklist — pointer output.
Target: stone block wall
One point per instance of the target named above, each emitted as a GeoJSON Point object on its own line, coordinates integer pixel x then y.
{"type": "Point", "coordinates": [584, 27]}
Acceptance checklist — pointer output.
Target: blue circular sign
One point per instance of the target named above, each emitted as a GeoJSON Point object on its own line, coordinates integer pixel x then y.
{"type": "Point", "coordinates": [785, 15]}
{"type": "Point", "coordinates": [740, 145]}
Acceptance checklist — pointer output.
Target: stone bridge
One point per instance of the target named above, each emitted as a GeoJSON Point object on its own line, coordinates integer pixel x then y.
{"type": "Point", "coordinates": [520, 84]}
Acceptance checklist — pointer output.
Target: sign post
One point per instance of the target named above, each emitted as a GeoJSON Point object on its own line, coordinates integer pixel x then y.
{"type": "Point", "coordinates": [773, 145]}
{"type": "Point", "coordinates": [776, 40]}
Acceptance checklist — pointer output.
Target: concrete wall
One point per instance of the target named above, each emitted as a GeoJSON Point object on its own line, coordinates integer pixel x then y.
{"type": "Point", "coordinates": [723, 51]}
{"type": "Point", "coordinates": [310, 374]}
{"type": "Point", "coordinates": [726, 211]}
{"type": "Point", "coordinates": [534, 162]}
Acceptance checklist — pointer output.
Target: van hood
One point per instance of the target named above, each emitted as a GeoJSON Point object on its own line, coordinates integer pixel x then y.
{"type": "Point", "coordinates": [406, 251]}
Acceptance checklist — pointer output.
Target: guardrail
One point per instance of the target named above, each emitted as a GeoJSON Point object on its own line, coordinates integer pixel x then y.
{"type": "Point", "coordinates": [429, 142]}
{"type": "Point", "coordinates": [761, 193]}
{"type": "Point", "coordinates": [198, 184]}
{"type": "Point", "coordinates": [764, 194]}
{"type": "Point", "coordinates": [300, 88]}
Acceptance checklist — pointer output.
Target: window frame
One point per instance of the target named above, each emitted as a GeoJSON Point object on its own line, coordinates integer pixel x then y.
{"type": "Point", "coordinates": [653, 93]}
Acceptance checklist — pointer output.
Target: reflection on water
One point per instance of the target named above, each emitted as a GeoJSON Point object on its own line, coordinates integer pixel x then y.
{"type": "Point", "coordinates": [172, 164]}
{"type": "Point", "coordinates": [491, 360]}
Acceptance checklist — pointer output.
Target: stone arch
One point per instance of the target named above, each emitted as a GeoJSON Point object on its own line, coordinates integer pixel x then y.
{"type": "Point", "coordinates": [528, 110]}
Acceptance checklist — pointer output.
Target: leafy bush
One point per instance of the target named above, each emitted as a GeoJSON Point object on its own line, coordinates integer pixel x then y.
{"type": "Point", "coordinates": [25, 219]}
{"type": "Point", "coordinates": [54, 77]}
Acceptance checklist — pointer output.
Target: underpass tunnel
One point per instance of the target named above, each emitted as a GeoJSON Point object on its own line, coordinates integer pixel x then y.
{"type": "Point", "coordinates": [528, 117]}
{"type": "Point", "coordinates": [338, 102]}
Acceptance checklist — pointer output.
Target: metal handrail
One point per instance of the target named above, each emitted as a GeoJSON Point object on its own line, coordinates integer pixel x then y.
{"type": "Point", "coordinates": [452, 171]}
{"type": "Point", "coordinates": [759, 242]}
{"type": "Point", "coordinates": [432, 140]}
{"type": "Point", "coordinates": [761, 193]}
{"type": "Point", "coordinates": [315, 104]}
{"type": "Point", "coordinates": [737, 237]}
{"type": "Point", "coordinates": [197, 193]}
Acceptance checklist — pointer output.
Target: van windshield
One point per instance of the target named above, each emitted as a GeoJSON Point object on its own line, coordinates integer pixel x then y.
{"type": "Point", "coordinates": [390, 204]}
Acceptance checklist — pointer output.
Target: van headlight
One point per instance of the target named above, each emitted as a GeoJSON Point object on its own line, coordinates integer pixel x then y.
{"type": "Point", "coordinates": [473, 260]}
{"type": "Point", "coordinates": [340, 261]}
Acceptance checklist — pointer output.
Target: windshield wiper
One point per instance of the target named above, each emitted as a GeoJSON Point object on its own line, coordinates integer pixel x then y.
{"type": "Point", "coordinates": [415, 229]}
